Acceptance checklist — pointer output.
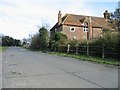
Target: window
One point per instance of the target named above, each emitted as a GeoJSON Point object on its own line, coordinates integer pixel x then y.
{"type": "Point", "coordinates": [55, 30]}
{"type": "Point", "coordinates": [85, 29]}
{"type": "Point", "coordinates": [72, 29]}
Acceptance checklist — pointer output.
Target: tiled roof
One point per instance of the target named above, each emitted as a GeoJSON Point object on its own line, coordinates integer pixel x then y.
{"type": "Point", "coordinates": [96, 21]}
{"type": "Point", "coordinates": [72, 19]}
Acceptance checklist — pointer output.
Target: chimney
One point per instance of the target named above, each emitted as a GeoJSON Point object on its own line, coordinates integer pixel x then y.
{"type": "Point", "coordinates": [59, 18]}
{"type": "Point", "coordinates": [106, 15]}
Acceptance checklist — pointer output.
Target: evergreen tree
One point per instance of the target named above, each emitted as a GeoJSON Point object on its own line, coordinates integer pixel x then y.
{"type": "Point", "coordinates": [44, 38]}
{"type": "Point", "coordinates": [115, 19]}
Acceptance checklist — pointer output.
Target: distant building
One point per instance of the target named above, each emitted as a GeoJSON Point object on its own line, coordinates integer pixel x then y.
{"type": "Point", "coordinates": [81, 27]}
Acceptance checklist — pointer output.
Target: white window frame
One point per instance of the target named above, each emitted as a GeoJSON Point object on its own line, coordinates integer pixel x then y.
{"type": "Point", "coordinates": [55, 29]}
{"type": "Point", "coordinates": [72, 28]}
{"type": "Point", "coordinates": [85, 29]}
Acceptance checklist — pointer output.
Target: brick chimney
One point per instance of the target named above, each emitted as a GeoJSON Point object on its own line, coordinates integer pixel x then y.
{"type": "Point", "coordinates": [106, 15]}
{"type": "Point", "coordinates": [59, 18]}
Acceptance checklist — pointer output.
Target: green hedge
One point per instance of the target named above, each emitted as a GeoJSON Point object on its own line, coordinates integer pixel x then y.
{"type": "Point", "coordinates": [110, 41]}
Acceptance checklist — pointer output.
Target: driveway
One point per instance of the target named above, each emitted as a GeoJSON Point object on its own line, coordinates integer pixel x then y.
{"type": "Point", "coordinates": [27, 69]}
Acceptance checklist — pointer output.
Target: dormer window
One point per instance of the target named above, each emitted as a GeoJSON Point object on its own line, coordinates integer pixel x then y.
{"type": "Point", "coordinates": [85, 29]}
{"type": "Point", "coordinates": [72, 29]}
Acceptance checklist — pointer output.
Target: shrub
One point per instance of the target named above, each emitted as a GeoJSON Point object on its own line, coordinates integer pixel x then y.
{"type": "Point", "coordinates": [35, 42]}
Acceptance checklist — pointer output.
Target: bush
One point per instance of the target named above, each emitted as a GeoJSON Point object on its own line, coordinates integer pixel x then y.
{"type": "Point", "coordinates": [40, 40]}
{"type": "Point", "coordinates": [35, 42]}
{"type": "Point", "coordinates": [58, 36]}
{"type": "Point", "coordinates": [44, 38]}
{"type": "Point", "coordinates": [57, 41]}
{"type": "Point", "coordinates": [110, 41]}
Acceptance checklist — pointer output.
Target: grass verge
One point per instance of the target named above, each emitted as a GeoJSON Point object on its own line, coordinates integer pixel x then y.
{"type": "Point", "coordinates": [2, 48]}
{"type": "Point", "coordinates": [89, 58]}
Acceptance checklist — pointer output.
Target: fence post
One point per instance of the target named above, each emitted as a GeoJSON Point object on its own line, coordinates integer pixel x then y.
{"type": "Point", "coordinates": [103, 51]}
{"type": "Point", "coordinates": [87, 48]}
{"type": "Point", "coordinates": [76, 50]}
{"type": "Point", "coordinates": [68, 48]}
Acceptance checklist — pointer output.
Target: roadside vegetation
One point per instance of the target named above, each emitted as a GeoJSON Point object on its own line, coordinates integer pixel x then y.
{"type": "Point", "coordinates": [3, 48]}
{"type": "Point", "coordinates": [9, 41]}
{"type": "Point", "coordinates": [89, 58]}
{"type": "Point", "coordinates": [110, 40]}
{"type": "Point", "coordinates": [40, 40]}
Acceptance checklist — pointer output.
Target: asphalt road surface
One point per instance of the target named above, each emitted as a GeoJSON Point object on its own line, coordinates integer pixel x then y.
{"type": "Point", "coordinates": [27, 69]}
{"type": "Point", "coordinates": [0, 71]}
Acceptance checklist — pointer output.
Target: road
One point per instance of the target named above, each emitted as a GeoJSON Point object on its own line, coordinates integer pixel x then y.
{"type": "Point", "coordinates": [0, 71]}
{"type": "Point", "coordinates": [27, 69]}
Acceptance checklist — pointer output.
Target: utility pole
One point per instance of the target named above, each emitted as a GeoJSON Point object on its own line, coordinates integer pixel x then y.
{"type": "Point", "coordinates": [87, 48]}
{"type": "Point", "coordinates": [88, 35]}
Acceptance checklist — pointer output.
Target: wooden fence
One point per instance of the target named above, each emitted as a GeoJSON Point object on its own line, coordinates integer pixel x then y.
{"type": "Point", "coordinates": [90, 50]}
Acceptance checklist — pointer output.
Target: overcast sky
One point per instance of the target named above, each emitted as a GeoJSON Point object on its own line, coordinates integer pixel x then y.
{"type": "Point", "coordinates": [19, 18]}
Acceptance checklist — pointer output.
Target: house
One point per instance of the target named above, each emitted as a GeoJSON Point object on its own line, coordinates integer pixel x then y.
{"type": "Point", "coordinates": [81, 27]}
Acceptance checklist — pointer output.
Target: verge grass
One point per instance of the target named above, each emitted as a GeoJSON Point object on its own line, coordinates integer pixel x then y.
{"type": "Point", "coordinates": [2, 48]}
{"type": "Point", "coordinates": [89, 58]}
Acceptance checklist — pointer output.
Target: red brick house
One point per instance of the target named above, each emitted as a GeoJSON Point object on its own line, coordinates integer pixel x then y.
{"type": "Point", "coordinates": [81, 27]}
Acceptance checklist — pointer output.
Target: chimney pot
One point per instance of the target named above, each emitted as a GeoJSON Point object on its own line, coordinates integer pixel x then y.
{"type": "Point", "coordinates": [106, 15]}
